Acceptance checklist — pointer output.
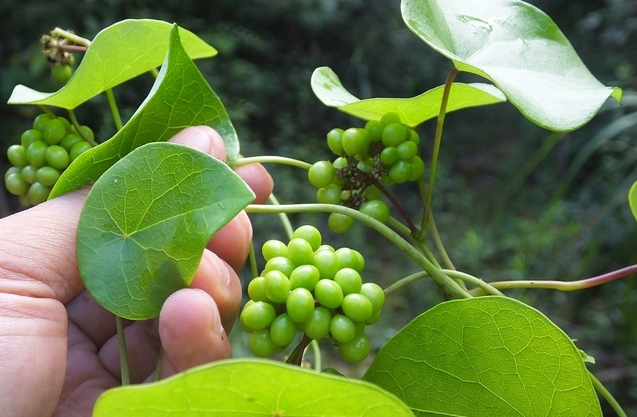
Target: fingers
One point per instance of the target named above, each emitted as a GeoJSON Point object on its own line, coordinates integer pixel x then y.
{"type": "Point", "coordinates": [258, 179]}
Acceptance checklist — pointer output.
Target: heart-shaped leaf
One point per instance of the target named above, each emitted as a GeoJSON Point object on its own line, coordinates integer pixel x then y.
{"type": "Point", "coordinates": [520, 49]}
{"type": "Point", "coordinates": [117, 54]}
{"type": "Point", "coordinates": [489, 356]}
{"type": "Point", "coordinates": [413, 111]}
{"type": "Point", "coordinates": [146, 221]}
{"type": "Point", "coordinates": [179, 98]}
{"type": "Point", "coordinates": [249, 387]}
{"type": "Point", "coordinates": [632, 199]}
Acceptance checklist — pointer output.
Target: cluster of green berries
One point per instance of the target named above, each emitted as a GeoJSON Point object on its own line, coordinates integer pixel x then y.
{"type": "Point", "coordinates": [43, 154]}
{"type": "Point", "coordinates": [311, 288]}
{"type": "Point", "coordinates": [384, 152]}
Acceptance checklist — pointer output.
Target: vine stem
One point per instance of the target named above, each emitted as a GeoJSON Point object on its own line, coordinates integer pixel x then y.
{"type": "Point", "coordinates": [273, 160]}
{"type": "Point", "coordinates": [412, 227]}
{"type": "Point", "coordinates": [78, 40]}
{"type": "Point", "coordinates": [114, 110]}
{"type": "Point", "coordinates": [123, 353]}
{"type": "Point", "coordinates": [436, 151]}
{"type": "Point", "coordinates": [447, 284]}
{"type": "Point", "coordinates": [563, 285]}
{"type": "Point", "coordinates": [77, 128]}
{"type": "Point", "coordinates": [607, 395]}
{"type": "Point", "coordinates": [464, 277]}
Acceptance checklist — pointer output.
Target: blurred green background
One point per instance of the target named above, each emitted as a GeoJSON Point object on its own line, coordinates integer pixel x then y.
{"type": "Point", "coordinates": [513, 201]}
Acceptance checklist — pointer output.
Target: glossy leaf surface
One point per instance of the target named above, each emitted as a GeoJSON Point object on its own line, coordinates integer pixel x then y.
{"type": "Point", "coordinates": [179, 98]}
{"type": "Point", "coordinates": [520, 49]}
{"type": "Point", "coordinates": [413, 111]}
{"type": "Point", "coordinates": [632, 199]}
{"type": "Point", "coordinates": [146, 221]}
{"type": "Point", "coordinates": [251, 388]}
{"type": "Point", "coordinates": [118, 53]}
{"type": "Point", "coordinates": [490, 356]}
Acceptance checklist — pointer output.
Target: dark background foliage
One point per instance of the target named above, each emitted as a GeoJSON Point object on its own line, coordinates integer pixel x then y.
{"type": "Point", "coordinates": [513, 201]}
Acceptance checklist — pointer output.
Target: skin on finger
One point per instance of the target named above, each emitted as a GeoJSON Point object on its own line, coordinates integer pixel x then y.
{"type": "Point", "coordinates": [258, 179]}
{"type": "Point", "coordinates": [232, 242]}
{"type": "Point", "coordinates": [203, 138]}
{"type": "Point", "coordinates": [191, 331]}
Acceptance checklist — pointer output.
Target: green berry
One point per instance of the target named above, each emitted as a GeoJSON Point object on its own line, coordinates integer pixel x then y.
{"type": "Point", "coordinates": [328, 293]}
{"type": "Point", "coordinates": [349, 279]}
{"type": "Point", "coordinates": [300, 251]}
{"type": "Point", "coordinates": [305, 276]}
{"type": "Point", "coordinates": [54, 131]}
{"type": "Point", "coordinates": [414, 137]}
{"type": "Point", "coordinates": [340, 223]}
{"type": "Point", "coordinates": [47, 176]}
{"type": "Point", "coordinates": [318, 326]}
{"type": "Point", "coordinates": [310, 234]}
{"type": "Point", "coordinates": [279, 263]}
{"type": "Point", "coordinates": [41, 121]}
{"type": "Point", "coordinates": [256, 289]}
{"type": "Point", "coordinates": [377, 209]}
{"type": "Point", "coordinates": [327, 263]}
{"type": "Point", "coordinates": [36, 154]}
{"type": "Point", "coordinates": [86, 133]}
{"type": "Point", "coordinates": [261, 344]}
{"type": "Point", "coordinates": [12, 170]}
{"type": "Point", "coordinates": [389, 118]}
{"type": "Point", "coordinates": [17, 155]}
{"type": "Point", "coordinates": [357, 307]}
{"type": "Point", "coordinates": [277, 286]}
{"type": "Point", "coordinates": [321, 174]}
{"type": "Point", "coordinates": [355, 141]}
{"type": "Point", "coordinates": [417, 168]}
{"type": "Point", "coordinates": [78, 149]}
{"type": "Point", "coordinates": [356, 350]}
{"type": "Point", "coordinates": [329, 195]}
{"type": "Point", "coordinates": [37, 193]}
{"type": "Point", "coordinates": [61, 72]}
{"type": "Point", "coordinates": [334, 141]}
{"type": "Point", "coordinates": [350, 258]}
{"type": "Point", "coordinates": [257, 315]}
{"type": "Point", "coordinates": [300, 305]}
{"type": "Point", "coordinates": [394, 134]}
{"type": "Point", "coordinates": [407, 150]}
{"type": "Point", "coordinates": [15, 184]}
{"type": "Point", "coordinates": [374, 294]}
{"type": "Point", "coordinates": [400, 172]}
{"type": "Point", "coordinates": [374, 130]}
{"type": "Point", "coordinates": [57, 157]}
{"type": "Point", "coordinates": [30, 136]}
{"type": "Point", "coordinates": [282, 330]}
{"type": "Point", "coordinates": [342, 328]}
{"type": "Point", "coordinates": [273, 248]}
{"type": "Point", "coordinates": [389, 155]}
{"type": "Point", "coordinates": [29, 174]}
{"type": "Point", "coordinates": [70, 140]}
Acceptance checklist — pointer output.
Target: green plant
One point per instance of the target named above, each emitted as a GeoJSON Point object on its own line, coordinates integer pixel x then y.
{"type": "Point", "coordinates": [501, 355]}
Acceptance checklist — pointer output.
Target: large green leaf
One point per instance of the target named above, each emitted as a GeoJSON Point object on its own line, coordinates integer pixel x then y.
{"type": "Point", "coordinates": [518, 48]}
{"type": "Point", "coordinates": [490, 356]}
{"type": "Point", "coordinates": [118, 53]}
{"type": "Point", "coordinates": [632, 199]}
{"type": "Point", "coordinates": [413, 111]}
{"type": "Point", "coordinates": [179, 98]}
{"type": "Point", "coordinates": [250, 387]}
{"type": "Point", "coordinates": [146, 221]}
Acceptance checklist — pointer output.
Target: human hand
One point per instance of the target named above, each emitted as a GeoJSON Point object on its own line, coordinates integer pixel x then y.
{"type": "Point", "coordinates": [59, 348]}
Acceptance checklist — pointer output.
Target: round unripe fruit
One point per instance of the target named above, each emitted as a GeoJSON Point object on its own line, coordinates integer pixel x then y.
{"type": "Point", "coordinates": [57, 157]}
{"type": "Point", "coordinates": [61, 72]}
{"type": "Point", "coordinates": [376, 209]}
{"type": "Point", "coordinates": [30, 136]}
{"type": "Point", "coordinates": [374, 129]}
{"type": "Point", "coordinates": [389, 118]}
{"type": "Point", "coordinates": [340, 223]}
{"type": "Point", "coordinates": [54, 132]}
{"type": "Point", "coordinates": [357, 307]}
{"type": "Point", "coordinates": [318, 326]}
{"type": "Point", "coordinates": [300, 305]}
{"type": "Point", "coordinates": [305, 276]}
{"type": "Point", "coordinates": [78, 149]}
{"type": "Point", "coordinates": [37, 193]}
{"type": "Point", "coordinates": [394, 134]}
{"type": "Point", "coordinates": [36, 154]}
{"type": "Point", "coordinates": [261, 344]}
{"type": "Point", "coordinates": [407, 150]}
{"type": "Point", "coordinates": [29, 174]}
{"type": "Point", "coordinates": [334, 141]}
{"type": "Point", "coordinates": [300, 251]}
{"type": "Point", "coordinates": [47, 176]}
{"type": "Point", "coordinates": [355, 350]}
{"type": "Point", "coordinates": [389, 155]}
{"type": "Point", "coordinates": [12, 170]}
{"type": "Point", "coordinates": [256, 289]}
{"type": "Point", "coordinates": [257, 315]}
{"type": "Point", "coordinates": [282, 330]}
{"type": "Point", "coordinates": [327, 263]}
{"type": "Point", "coordinates": [355, 141]}
{"type": "Point", "coordinates": [321, 174]}
{"type": "Point", "coordinates": [328, 293]}
{"type": "Point", "coordinates": [15, 184]}
{"type": "Point", "coordinates": [17, 155]}
{"type": "Point", "coordinates": [342, 328]}
{"type": "Point", "coordinates": [310, 234]}
{"type": "Point", "coordinates": [70, 140]}
{"type": "Point", "coordinates": [350, 258]}
{"type": "Point", "coordinates": [400, 172]}
{"type": "Point", "coordinates": [279, 263]}
{"type": "Point", "coordinates": [329, 195]}
{"type": "Point", "coordinates": [417, 168]}
{"type": "Point", "coordinates": [273, 248]}
{"type": "Point", "coordinates": [41, 121]}
{"type": "Point", "coordinates": [374, 294]}
{"type": "Point", "coordinates": [277, 286]}
{"type": "Point", "coordinates": [349, 279]}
